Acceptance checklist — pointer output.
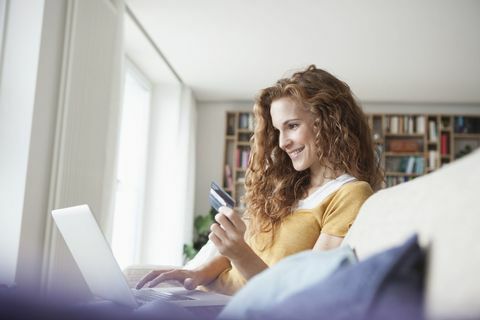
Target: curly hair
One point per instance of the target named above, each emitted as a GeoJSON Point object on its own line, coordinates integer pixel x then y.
{"type": "Point", "coordinates": [342, 137]}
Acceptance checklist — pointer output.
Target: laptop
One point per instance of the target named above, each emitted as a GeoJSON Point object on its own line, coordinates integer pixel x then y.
{"type": "Point", "coordinates": [102, 273]}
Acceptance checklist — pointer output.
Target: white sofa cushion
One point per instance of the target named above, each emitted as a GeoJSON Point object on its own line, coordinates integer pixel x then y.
{"type": "Point", "coordinates": [442, 207]}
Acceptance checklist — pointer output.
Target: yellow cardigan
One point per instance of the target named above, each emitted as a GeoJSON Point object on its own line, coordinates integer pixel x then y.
{"type": "Point", "coordinates": [300, 231]}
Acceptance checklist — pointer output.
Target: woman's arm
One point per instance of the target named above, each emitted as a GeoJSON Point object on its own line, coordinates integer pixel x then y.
{"type": "Point", "coordinates": [249, 264]}
{"type": "Point", "coordinates": [229, 238]}
{"type": "Point", "coordinates": [190, 279]}
{"type": "Point", "coordinates": [327, 242]}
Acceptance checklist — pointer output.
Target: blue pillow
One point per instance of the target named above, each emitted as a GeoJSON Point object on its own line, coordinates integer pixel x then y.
{"type": "Point", "coordinates": [388, 285]}
{"type": "Point", "coordinates": [288, 277]}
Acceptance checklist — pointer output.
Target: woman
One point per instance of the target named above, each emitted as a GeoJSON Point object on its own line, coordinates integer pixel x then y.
{"type": "Point", "coordinates": [313, 165]}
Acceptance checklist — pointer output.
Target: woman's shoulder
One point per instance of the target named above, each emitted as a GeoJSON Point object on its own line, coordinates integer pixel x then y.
{"type": "Point", "coordinates": [350, 190]}
{"type": "Point", "coordinates": [355, 188]}
{"type": "Point", "coordinates": [357, 185]}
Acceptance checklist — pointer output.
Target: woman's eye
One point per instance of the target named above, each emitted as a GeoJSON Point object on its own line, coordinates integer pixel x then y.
{"type": "Point", "coordinates": [292, 126]}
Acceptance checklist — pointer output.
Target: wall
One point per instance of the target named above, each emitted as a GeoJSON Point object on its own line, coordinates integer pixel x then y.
{"type": "Point", "coordinates": [17, 96]}
{"type": "Point", "coordinates": [86, 127]}
{"type": "Point", "coordinates": [211, 132]}
{"type": "Point", "coordinates": [59, 98]}
{"type": "Point", "coordinates": [40, 157]}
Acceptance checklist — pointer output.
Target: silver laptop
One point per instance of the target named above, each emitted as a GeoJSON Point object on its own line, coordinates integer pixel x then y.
{"type": "Point", "coordinates": [102, 273]}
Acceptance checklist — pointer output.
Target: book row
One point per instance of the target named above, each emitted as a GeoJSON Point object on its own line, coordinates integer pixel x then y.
{"type": "Point", "coordinates": [405, 124]}
{"type": "Point", "coordinates": [408, 165]}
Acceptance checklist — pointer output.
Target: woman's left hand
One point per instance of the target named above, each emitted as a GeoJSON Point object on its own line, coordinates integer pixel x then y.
{"type": "Point", "coordinates": [228, 234]}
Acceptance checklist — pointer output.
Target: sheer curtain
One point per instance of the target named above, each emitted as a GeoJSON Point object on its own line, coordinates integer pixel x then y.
{"type": "Point", "coordinates": [131, 165]}
{"type": "Point", "coordinates": [169, 195]}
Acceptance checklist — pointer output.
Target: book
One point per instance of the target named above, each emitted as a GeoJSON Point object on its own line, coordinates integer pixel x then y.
{"type": "Point", "coordinates": [394, 124]}
{"type": "Point", "coordinates": [402, 167]}
{"type": "Point", "coordinates": [238, 160]}
{"type": "Point", "coordinates": [420, 124]}
{"type": "Point", "coordinates": [251, 123]}
{"type": "Point", "coordinates": [432, 159]}
{"type": "Point", "coordinates": [419, 165]}
{"type": "Point", "coordinates": [228, 177]}
{"type": "Point", "coordinates": [432, 126]}
{"type": "Point", "coordinates": [231, 126]}
{"type": "Point", "coordinates": [444, 150]}
{"type": "Point", "coordinates": [411, 128]}
{"type": "Point", "coordinates": [410, 165]}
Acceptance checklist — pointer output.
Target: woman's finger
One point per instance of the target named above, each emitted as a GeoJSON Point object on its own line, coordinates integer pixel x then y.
{"type": "Point", "coordinates": [226, 224]}
{"type": "Point", "coordinates": [233, 217]}
{"type": "Point", "coordinates": [216, 241]}
{"type": "Point", "coordinates": [148, 277]}
{"type": "Point", "coordinates": [218, 231]}
{"type": "Point", "coordinates": [178, 275]}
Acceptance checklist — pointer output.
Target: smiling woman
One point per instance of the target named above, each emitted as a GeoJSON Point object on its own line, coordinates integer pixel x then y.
{"type": "Point", "coordinates": [312, 166]}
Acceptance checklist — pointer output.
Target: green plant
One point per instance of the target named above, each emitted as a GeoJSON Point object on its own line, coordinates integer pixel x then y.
{"type": "Point", "coordinates": [201, 226]}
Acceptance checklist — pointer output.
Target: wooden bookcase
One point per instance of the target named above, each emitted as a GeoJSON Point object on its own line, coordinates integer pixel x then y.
{"type": "Point", "coordinates": [411, 145]}
{"type": "Point", "coordinates": [239, 130]}
{"type": "Point", "coordinates": [408, 145]}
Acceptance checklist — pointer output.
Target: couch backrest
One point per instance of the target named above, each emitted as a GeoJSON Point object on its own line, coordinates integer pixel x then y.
{"type": "Point", "coordinates": [443, 207]}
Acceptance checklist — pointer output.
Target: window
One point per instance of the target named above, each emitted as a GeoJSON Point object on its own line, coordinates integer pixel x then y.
{"type": "Point", "coordinates": [131, 165]}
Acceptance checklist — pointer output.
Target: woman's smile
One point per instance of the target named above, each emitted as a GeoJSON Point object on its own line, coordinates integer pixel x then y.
{"type": "Point", "coordinates": [294, 154]}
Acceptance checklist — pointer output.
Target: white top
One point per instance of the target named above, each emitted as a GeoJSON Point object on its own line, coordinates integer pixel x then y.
{"type": "Point", "coordinates": [324, 191]}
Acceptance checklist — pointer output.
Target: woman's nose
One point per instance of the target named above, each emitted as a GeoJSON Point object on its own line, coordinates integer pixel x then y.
{"type": "Point", "coordinates": [284, 142]}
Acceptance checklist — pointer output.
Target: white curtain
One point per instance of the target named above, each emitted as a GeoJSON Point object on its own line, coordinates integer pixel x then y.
{"type": "Point", "coordinates": [169, 195]}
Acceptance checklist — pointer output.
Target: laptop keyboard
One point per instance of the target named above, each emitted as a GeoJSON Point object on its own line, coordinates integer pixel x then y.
{"type": "Point", "coordinates": [147, 295]}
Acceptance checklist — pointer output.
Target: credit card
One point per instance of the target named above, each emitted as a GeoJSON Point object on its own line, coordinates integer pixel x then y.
{"type": "Point", "coordinates": [219, 198]}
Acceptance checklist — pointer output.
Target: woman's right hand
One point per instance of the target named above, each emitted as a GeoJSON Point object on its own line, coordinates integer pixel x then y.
{"type": "Point", "coordinates": [189, 278]}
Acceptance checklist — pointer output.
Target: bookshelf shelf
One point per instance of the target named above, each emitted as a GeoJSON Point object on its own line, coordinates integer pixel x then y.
{"type": "Point", "coordinates": [466, 136]}
{"type": "Point", "coordinates": [245, 131]}
{"type": "Point", "coordinates": [413, 135]}
{"type": "Point", "coordinates": [404, 154]}
{"type": "Point", "coordinates": [408, 145]}
{"type": "Point", "coordinates": [402, 174]}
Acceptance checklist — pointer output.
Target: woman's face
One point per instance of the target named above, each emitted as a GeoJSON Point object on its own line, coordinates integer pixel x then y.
{"type": "Point", "coordinates": [296, 135]}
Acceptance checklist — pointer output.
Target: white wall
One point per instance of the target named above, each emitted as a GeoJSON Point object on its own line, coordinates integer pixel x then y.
{"type": "Point", "coordinates": [35, 211]}
{"type": "Point", "coordinates": [88, 117]}
{"type": "Point", "coordinates": [17, 98]}
{"type": "Point", "coordinates": [59, 99]}
{"type": "Point", "coordinates": [211, 132]}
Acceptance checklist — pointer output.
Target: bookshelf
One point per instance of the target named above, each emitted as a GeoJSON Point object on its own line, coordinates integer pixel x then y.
{"type": "Point", "coordinates": [238, 131]}
{"type": "Point", "coordinates": [408, 145]}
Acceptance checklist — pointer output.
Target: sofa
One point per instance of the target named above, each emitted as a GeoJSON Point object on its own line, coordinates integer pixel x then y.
{"type": "Point", "coordinates": [441, 209]}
